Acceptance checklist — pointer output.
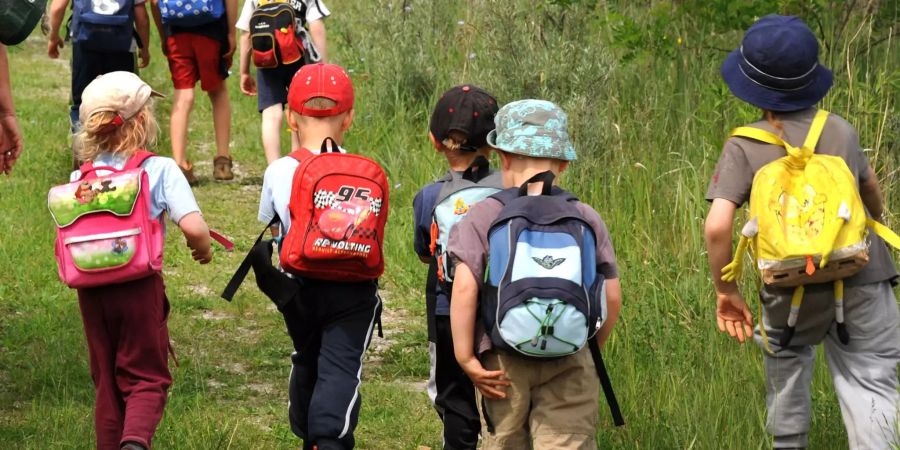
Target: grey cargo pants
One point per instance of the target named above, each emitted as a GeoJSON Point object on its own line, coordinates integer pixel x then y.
{"type": "Point", "coordinates": [864, 371]}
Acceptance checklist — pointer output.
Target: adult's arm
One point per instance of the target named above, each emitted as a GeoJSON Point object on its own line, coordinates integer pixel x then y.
{"type": "Point", "coordinates": [10, 136]}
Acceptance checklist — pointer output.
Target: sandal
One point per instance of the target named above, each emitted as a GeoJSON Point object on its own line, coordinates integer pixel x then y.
{"type": "Point", "coordinates": [222, 168]}
{"type": "Point", "coordinates": [189, 174]}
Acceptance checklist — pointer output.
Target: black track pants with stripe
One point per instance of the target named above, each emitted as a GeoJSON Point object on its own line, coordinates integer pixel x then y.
{"type": "Point", "coordinates": [330, 324]}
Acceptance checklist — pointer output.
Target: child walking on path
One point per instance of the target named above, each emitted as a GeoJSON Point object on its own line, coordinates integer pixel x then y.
{"type": "Point", "coordinates": [529, 402]}
{"type": "Point", "coordinates": [271, 84]}
{"type": "Point", "coordinates": [459, 126]}
{"type": "Point", "coordinates": [777, 70]}
{"type": "Point", "coordinates": [125, 323]}
{"type": "Point", "coordinates": [200, 52]}
{"type": "Point", "coordinates": [330, 322]}
{"type": "Point", "coordinates": [95, 49]}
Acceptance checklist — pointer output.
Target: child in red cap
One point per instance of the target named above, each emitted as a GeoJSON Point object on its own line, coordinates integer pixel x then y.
{"type": "Point", "coordinates": [330, 323]}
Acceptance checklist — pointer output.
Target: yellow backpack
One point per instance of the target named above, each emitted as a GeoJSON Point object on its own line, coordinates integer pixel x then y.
{"type": "Point", "coordinates": [807, 223]}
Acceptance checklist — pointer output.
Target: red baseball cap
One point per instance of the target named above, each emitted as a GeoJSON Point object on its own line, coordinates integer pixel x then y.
{"type": "Point", "coordinates": [321, 80]}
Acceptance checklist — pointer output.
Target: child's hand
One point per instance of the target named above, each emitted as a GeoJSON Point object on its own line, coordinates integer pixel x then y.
{"type": "Point", "coordinates": [231, 47]}
{"type": "Point", "coordinates": [53, 46]}
{"type": "Point", "coordinates": [248, 84]}
{"type": "Point", "coordinates": [733, 316]}
{"type": "Point", "coordinates": [491, 383]}
{"type": "Point", "coordinates": [145, 57]}
{"type": "Point", "coordinates": [202, 256]}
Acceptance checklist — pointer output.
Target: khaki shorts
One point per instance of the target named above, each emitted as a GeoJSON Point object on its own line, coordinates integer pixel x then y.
{"type": "Point", "coordinates": [549, 405]}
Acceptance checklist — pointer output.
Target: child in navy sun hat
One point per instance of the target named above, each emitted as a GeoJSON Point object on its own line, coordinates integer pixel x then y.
{"type": "Point", "coordinates": [777, 69]}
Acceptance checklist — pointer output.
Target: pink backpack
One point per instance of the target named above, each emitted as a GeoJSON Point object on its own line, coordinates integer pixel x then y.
{"type": "Point", "coordinates": [105, 234]}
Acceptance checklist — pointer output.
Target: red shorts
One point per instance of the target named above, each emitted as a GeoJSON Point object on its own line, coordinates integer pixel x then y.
{"type": "Point", "coordinates": [192, 57]}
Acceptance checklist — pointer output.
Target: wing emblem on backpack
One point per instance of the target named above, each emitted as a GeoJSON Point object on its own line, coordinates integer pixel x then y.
{"type": "Point", "coordinates": [548, 262]}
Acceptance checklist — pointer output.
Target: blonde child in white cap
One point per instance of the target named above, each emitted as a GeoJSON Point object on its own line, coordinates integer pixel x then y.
{"type": "Point", "coordinates": [125, 324]}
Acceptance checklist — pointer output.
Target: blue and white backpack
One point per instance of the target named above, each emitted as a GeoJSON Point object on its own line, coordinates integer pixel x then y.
{"type": "Point", "coordinates": [459, 193]}
{"type": "Point", "coordinates": [103, 25]}
{"type": "Point", "coordinates": [543, 297]}
{"type": "Point", "coordinates": [190, 13]}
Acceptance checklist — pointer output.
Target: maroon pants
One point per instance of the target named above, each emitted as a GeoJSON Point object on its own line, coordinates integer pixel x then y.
{"type": "Point", "coordinates": [128, 340]}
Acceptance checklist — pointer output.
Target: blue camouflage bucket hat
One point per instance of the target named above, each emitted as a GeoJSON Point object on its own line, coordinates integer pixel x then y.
{"type": "Point", "coordinates": [535, 128]}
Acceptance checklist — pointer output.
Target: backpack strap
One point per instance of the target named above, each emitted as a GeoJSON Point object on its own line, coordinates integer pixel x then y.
{"type": "Point", "coordinates": [137, 159]}
{"type": "Point", "coordinates": [815, 130]}
{"type": "Point", "coordinates": [301, 154]}
{"type": "Point", "coordinates": [605, 383]}
{"type": "Point", "coordinates": [886, 233]}
{"type": "Point", "coordinates": [809, 144]}
{"type": "Point", "coordinates": [544, 177]}
{"type": "Point", "coordinates": [478, 170]}
{"type": "Point", "coordinates": [244, 268]}
{"type": "Point", "coordinates": [133, 162]}
{"type": "Point", "coordinates": [758, 135]}
{"type": "Point", "coordinates": [333, 148]}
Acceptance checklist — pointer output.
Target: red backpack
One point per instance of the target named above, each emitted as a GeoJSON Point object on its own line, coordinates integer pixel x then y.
{"type": "Point", "coordinates": [339, 207]}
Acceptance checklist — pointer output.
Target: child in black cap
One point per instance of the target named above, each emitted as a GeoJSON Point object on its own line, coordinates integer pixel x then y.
{"type": "Point", "coordinates": [777, 69]}
{"type": "Point", "coordinates": [459, 127]}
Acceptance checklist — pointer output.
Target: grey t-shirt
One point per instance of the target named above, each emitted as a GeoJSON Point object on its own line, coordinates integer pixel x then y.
{"type": "Point", "coordinates": [742, 157]}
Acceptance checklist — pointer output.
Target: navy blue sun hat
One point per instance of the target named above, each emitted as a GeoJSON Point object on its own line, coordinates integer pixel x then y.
{"type": "Point", "coordinates": [777, 66]}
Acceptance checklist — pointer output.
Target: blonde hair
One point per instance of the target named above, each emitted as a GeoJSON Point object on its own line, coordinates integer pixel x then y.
{"type": "Point", "coordinates": [321, 103]}
{"type": "Point", "coordinates": [97, 135]}
{"type": "Point", "coordinates": [454, 141]}
{"type": "Point", "coordinates": [770, 117]}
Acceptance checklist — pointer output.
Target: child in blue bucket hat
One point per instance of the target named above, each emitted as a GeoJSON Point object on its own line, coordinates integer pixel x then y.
{"type": "Point", "coordinates": [527, 402]}
{"type": "Point", "coordinates": [777, 69]}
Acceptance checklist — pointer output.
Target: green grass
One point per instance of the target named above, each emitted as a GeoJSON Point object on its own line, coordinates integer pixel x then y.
{"type": "Point", "coordinates": [648, 116]}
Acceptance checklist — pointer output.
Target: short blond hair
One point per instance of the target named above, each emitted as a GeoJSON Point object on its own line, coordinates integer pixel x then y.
{"type": "Point", "coordinates": [454, 141]}
{"type": "Point", "coordinates": [97, 135]}
{"type": "Point", "coordinates": [320, 103]}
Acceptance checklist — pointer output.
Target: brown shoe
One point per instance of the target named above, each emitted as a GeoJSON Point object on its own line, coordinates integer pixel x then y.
{"type": "Point", "coordinates": [222, 168]}
{"type": "Point", "coordinates": [189, 174]}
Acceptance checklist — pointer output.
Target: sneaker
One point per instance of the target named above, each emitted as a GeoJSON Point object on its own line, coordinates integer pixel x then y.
{"type": "Point", "coordinates": [222, 168]}
{"type": "Point", "coordinates": [189, 174]}
{"type": "Point", "coordinates": [132, 446]}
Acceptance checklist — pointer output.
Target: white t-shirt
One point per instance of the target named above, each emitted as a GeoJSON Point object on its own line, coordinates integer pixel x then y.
{"type": "Point", "coordinates": [315, 10]}
{"type": "Point", "coordinates": [276, 190]}
{"type": "Point", "coordinates": [169, 190]}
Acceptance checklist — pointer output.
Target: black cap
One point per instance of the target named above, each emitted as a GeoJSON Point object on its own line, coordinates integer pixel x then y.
{"type": "Point", "coordinates": [467, 109]}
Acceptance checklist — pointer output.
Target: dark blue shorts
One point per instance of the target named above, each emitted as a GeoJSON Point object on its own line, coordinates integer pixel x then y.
{"type": "Point", "coordinates": [272, 84]}
{"type": "Point", "coordinates": [89, 64]}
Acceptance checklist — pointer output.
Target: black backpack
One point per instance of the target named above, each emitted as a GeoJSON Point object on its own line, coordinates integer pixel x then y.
{"type": "Point", "coordinates": [273, 35]}
{"type": "Point", "coordinates": [18, 18]}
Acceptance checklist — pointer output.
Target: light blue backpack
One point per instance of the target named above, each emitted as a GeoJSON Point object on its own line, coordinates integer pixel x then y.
{"type": "Point", "coordinates": [459, 193]}
{"type": "Point", "coordinates": [190, 13]}
{"type": "Point", "coordinates": [543, 297]}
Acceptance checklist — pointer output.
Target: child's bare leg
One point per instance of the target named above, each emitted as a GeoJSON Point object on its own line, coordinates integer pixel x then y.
{"type": "Point", "coordinates": [221, 109]}
{"type": "Point", "coordinates": [271, 131]}
{"type": "Point", "coordinates": [182, 103]}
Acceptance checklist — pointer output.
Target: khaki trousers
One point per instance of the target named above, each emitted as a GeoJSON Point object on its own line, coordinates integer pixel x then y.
{"type": "Point", "coordinates": [549, 404]}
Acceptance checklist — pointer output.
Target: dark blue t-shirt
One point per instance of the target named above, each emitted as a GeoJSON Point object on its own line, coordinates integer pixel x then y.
{"type": "Point", "coordinates": [423, 206]}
